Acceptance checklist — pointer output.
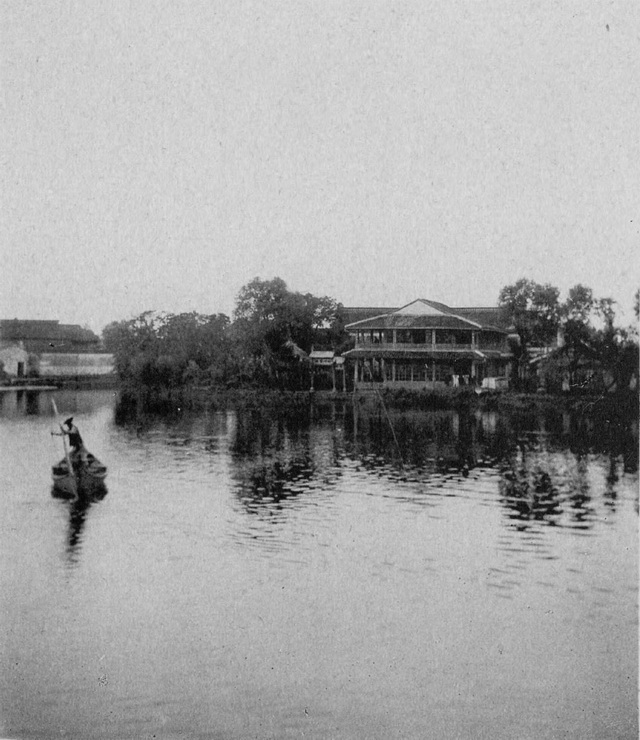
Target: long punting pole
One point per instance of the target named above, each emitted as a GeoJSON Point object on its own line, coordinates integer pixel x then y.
{"type": "Point", "coordinates": [66, 450]}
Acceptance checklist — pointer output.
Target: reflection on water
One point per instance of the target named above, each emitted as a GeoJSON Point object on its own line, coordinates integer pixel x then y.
{"type": "Point", "coordinates": [78, 510]}
{"type": "Point", "coordinates": [20, 403]}
{"type": "Point", "coordinates": [341, 570]}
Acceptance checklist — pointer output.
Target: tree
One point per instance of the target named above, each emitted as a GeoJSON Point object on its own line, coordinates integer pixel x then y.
{"type": "Point", "coordinates": [166, 350]}
{"type": "Point", "coordinates": [194, 338]}
{"type": "Point", "coordinates": [614, 348]}
{"type": "Point", "coordinates": [608, 352]}
{"type": "Point", "coordinates": [578, 332]}
{"type": "Point", "coordinates": [579, 304]}
{"type": "Point", "coordinates": [132, 342]}
{"type": "Point", "coordinates": [270, 322]}
{"type": "Point", "coordinates": [535, 312]}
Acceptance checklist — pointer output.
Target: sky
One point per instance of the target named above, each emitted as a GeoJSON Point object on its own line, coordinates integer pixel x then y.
{"type": "Point", "coordinates": [160, 155]}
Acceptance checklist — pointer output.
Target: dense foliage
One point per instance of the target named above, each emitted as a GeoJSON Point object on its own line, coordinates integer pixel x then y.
{"type": "Point", "coordinates": [168, 350]}
{"type": "Point", "coordinates": [571, 344]}
{"type": "Point", "coordinates": [267, 343]}
{"type": "Point", "coordinates": [588, 349]}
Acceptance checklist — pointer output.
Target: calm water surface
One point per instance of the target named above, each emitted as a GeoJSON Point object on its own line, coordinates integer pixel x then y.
{"type": "Point", "coordinates": [319, 575]}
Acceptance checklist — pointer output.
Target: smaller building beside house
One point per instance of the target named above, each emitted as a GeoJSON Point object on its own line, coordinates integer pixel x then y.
{"type": "Point", "coordinates": [328, 366]}
{"type": "Point", "coordinates": [427, 344]}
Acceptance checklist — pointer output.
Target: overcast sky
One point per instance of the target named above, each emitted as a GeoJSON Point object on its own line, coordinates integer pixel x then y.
{"type": "Point", "coordinates": [159, 155]}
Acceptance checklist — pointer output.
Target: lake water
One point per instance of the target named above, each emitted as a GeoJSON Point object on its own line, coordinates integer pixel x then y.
{"type": "Point", "coordinates": [333, 573]}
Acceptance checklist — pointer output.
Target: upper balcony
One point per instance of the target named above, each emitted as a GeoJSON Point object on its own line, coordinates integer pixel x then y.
{"type": "Point", "coordinates": [430, 347]}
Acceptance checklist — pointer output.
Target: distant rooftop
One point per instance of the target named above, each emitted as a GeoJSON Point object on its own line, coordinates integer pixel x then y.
{"type": "Point", "coordinates": [47, 335]}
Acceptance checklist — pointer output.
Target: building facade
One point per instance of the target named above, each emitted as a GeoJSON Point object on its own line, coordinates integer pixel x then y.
{"type": "Point", "coordinates": [427, 344]}
{"type": "Point", "coordinates": [49, 349]}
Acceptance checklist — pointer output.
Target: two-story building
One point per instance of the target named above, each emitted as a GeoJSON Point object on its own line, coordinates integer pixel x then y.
{"type": "Point", "coordinates": [427, 344]}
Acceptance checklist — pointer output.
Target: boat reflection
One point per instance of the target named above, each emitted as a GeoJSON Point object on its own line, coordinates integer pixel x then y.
{"type": "Point", "coordinates": [78, 508]}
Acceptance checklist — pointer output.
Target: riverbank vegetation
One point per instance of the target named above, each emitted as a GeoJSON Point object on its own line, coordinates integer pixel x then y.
{"type": "Point", "coordinates": [265, 345]}
{"type": "Point", "coordinates": [574, 345]}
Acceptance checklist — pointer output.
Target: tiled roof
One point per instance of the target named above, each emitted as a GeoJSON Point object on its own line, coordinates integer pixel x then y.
{"type": "Point", "coordinates": [427, 314]}
{"type": "Point", "coordinates": [20, 329]}
{"type": "Point", "coordinates": [350, 314]}
{"type": "Point", "coordinates": [48, 336]}
{"type": "Point", "coordinates": [406, 321]}
{"type": "Point", "coordinates": [438, 305]}
{"type": "Point", "coordinates": [487, 316]}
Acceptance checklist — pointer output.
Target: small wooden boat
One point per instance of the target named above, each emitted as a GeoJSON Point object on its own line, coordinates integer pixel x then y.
{"type": "Point", "coordinates": [87, 478]}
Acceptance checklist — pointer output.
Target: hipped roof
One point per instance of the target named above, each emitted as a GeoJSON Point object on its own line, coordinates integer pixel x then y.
{"type": "Point", "coordinates": [426, 314]}
{"type": "Point", "coordinates": [351, 314]}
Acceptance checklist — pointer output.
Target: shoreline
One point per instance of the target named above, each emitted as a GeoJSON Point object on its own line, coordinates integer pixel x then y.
{"type": "Point", "coordinates": [7, 388]}
{"type": "Point", "coordinates": [616, 404]}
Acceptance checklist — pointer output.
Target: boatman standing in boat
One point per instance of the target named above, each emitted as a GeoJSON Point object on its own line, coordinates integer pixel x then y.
{"type": "Point", "coordinates": [78, 450]}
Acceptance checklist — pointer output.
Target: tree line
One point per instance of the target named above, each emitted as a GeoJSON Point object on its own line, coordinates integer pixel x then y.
{"type": "Point", "coordinates": [590, 349]}
{"type": "Point", "coordinates": [272, 330]}
{"type": "Point", "coordinates": [265, 343]}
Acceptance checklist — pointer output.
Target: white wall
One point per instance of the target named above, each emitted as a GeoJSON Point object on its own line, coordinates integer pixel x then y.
{"type": "Point", "coordinates": [55, 364]}
{"type": "Point", "coordinates": [11, 356]}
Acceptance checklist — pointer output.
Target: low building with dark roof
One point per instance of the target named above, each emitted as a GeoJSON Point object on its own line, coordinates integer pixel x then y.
{"type": "Point", "coordinates": [428, 344]}
{"type": "Point", "coordinates": [49, 349]}
{"type": "Point", "coordinates": [48, 336]}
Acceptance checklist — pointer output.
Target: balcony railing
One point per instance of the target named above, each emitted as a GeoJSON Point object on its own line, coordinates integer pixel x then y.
{"type": "Point", "coordinates": [389, 346]}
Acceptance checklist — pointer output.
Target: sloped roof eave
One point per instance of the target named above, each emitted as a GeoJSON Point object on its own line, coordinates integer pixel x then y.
{"type": "Point", "coordinates": [395, 321]}
{"type": "Point", "coordinates": [366, 321]}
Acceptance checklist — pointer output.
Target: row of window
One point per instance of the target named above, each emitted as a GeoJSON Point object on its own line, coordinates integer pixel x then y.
{"type": "Point", "coordinates": [415, 336]}
{"type": "Point", "coordinates": [419, 372]}
{"type": "Point", "coordinates": [406, 371]}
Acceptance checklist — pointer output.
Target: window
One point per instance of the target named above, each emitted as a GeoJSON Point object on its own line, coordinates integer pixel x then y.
{"type": "Point", "coordinates": [419, 372]}
{"type": "Point", "coordinates": [492, 339]}
{"type": "Point", "coordinates": [453, 336]}
{"type": "Point", "coordinates": [403, 371]}
{"type": "Point", "coordinates": [443, 371]}
{"type": "Point", "coordinates": [413, 336]}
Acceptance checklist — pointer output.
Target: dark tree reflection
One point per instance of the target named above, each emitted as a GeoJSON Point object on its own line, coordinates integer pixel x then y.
{"type": "Point", "coordinates": [278, 457]}
{"type": "Point", "coordinates": [528, 493]}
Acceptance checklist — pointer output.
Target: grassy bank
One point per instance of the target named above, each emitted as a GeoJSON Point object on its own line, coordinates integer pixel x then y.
{"type": "Point", "coordinates": [624, 404]}
{"type": "Point", "coordinates": [194, 397]}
